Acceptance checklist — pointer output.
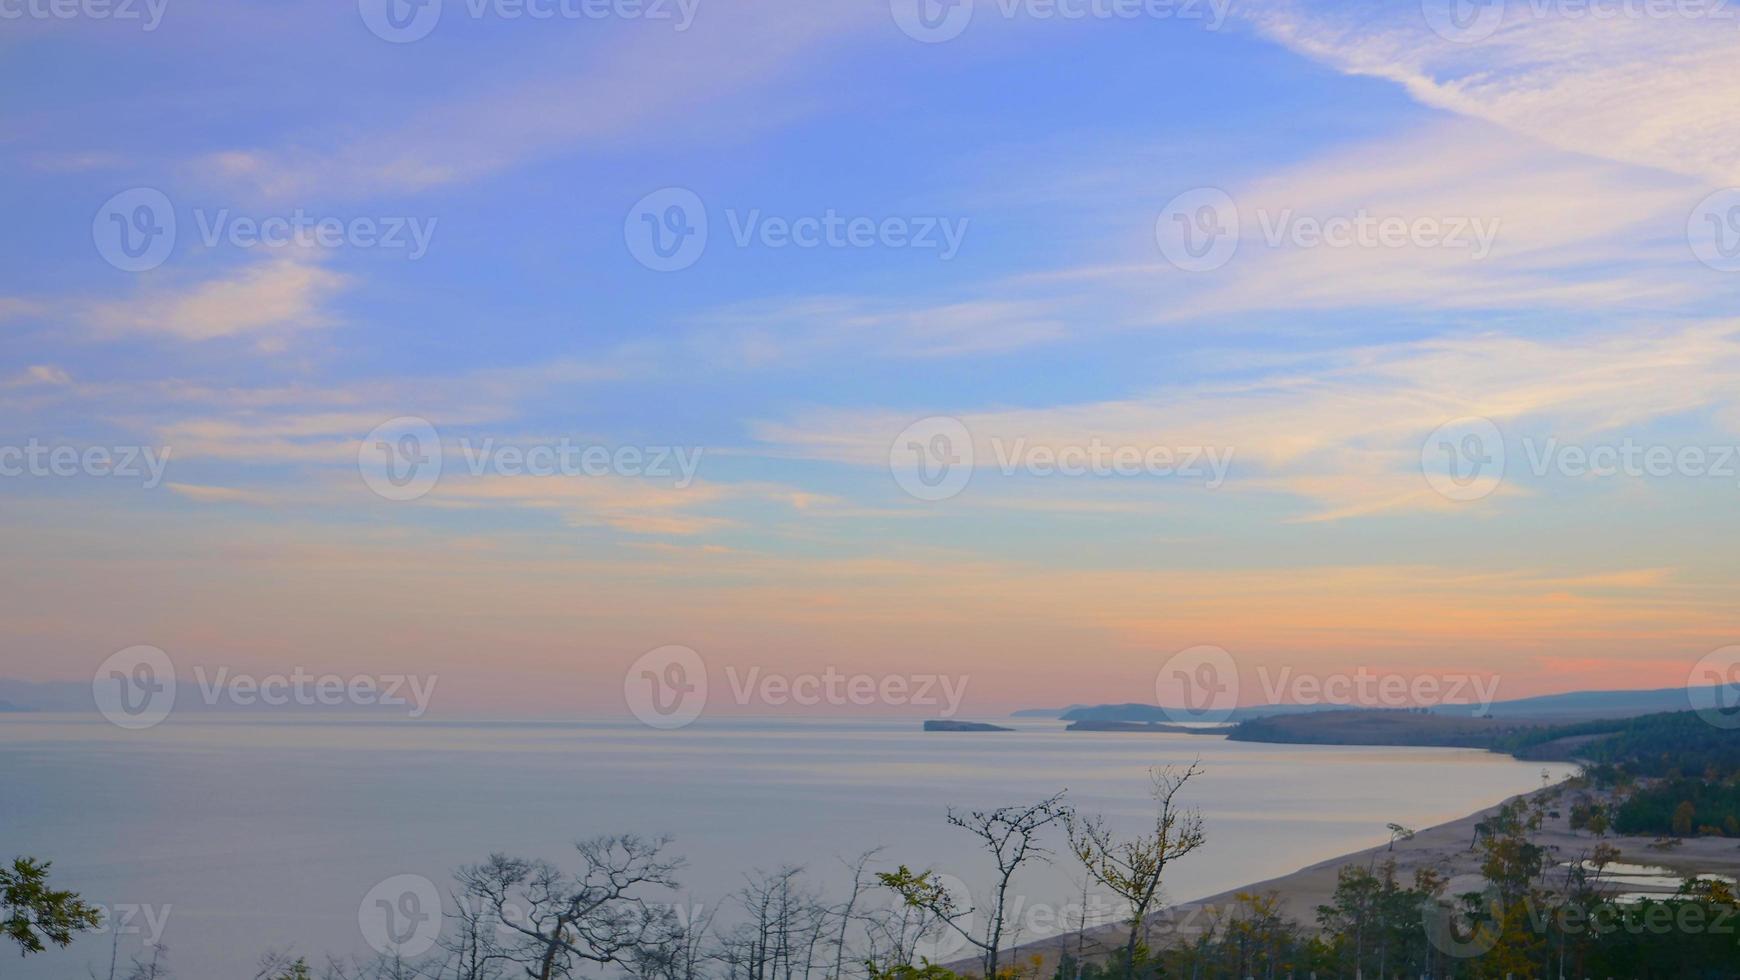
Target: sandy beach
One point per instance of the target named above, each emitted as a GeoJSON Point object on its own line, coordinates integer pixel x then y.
{"type": "Point", "coordinates": [1447, 848]}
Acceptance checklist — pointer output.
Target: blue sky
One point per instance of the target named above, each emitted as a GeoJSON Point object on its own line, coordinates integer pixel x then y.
{"type": "Point", "coordinates": [1596, 152]}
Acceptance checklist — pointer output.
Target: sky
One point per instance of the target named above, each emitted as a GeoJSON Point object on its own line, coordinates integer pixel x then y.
{"type": "Point", "coordinates": [505, 342]}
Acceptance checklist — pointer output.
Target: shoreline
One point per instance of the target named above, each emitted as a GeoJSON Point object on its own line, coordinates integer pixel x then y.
{"type": "Point", "coordinates": [1446, 848]}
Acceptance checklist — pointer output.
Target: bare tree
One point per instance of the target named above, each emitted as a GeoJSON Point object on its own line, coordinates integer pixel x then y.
{"type": "Point", "coordinates": [892, 935]}
{"type": "Point", "coordinates": [600, 915]}
{"type": "Point", "coordinates": [685, 953]}
{"type": "Point", "coordinates": [473, 952]}
{"type": "Point", "coordinates": [847, 912]}
{"type": "Point", "coordinates": [282, 965]}
{"type": "Point", "coordinates": [1011, 835]}
{"type": "Point", "coordinates": [153, 968]}
{"type": "Point", "coordinates": [784, 928]}
{"type": "Point", "coordinates": [1397, 832]}
{"type": "Point", "coordinates": [1134, 868]}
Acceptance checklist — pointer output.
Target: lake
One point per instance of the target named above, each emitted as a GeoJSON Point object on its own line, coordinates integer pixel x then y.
{"type": "Point", "coordinates": [229, 835]}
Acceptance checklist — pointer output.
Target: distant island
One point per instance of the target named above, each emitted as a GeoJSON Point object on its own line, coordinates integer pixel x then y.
{"type": "Point", "coordinates": [963, 726]}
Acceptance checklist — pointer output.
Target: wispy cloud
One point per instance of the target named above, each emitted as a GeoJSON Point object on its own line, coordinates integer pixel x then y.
{"type": "Point", "coordinates": [37, 374]}
{"type": "Point", "coordinates": [1348, 437]}
{"type": "Point", "coordinates": [628, 505]}
{"type": "Point", "coordinates": [266, 300]}
{"type": "Point", "coordinates": [1656, 89]}
{"type": "Point", "coordinates": [572, 97]}
{"type": "Point", "coordinates": [804, 329]}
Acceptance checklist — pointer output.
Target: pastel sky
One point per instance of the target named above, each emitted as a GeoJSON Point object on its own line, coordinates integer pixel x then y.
{"type": "Point", "coordinates": [1599, 312]}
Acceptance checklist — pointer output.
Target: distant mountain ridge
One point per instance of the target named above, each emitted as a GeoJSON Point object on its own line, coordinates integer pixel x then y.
{"type": "Point", "coordinates": [23, 696]}
{"type": "Point", "coordinates": [1044, 712]}
{"type": "Point", "coordinates": [1603, 703]}
{"type": "Point", "coordinates": [1571, 704]}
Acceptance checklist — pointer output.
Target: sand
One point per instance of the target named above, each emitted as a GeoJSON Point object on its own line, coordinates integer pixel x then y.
{"type": "Point", "coordinates": [1447, 848]}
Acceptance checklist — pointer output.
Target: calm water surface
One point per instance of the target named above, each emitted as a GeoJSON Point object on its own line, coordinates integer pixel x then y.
{"type": "Point", "coordinates": [262, 833]}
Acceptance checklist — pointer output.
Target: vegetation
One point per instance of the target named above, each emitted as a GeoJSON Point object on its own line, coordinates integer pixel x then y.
{"type": "Point", "coordinates": [1370, 726]}
{"type": "Point", "coordinates": [33, 914]}
{"type": "Point", "coordinates": [1680, 775]}
{"type": "Point", "coordinates": [1134, 868]}
{"type": "Point", "coordinates": [1011, 835]}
